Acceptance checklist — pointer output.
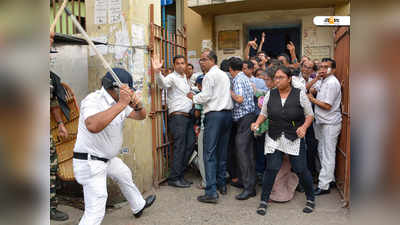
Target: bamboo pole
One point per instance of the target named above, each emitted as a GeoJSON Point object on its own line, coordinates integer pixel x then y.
{"type": "Point", "coordinates": [59, 12]}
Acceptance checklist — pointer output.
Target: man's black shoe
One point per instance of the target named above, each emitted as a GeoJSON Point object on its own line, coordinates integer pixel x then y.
{"type": "Point", "coordinates": [246, 195]}
{"type": "Point", "coordinates": [319, 191]}
{"type": "Point", "coordinates": [178, 183]}
{"type": "Point", "coordinates": [208, 199]}
{"type": "Point", "coordinates": [237, 184]}
{"type": "Point", "coordinates": [186, 181]}
{"type": "Point", "coordinates": [222, 190]}
{"type": "Point", "coordinates": [149, 201]}
{"type": "Point", "coordinates": [58, 215]}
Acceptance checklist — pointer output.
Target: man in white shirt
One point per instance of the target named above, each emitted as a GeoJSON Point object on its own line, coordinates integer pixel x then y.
{"type": "Point", "coordinates": [180, 122]}
{"type": "Point", "coordinates": [328, 123]}
{"type": "Point", "coordinates": [190, 75]}
{"type": "Point", "coordinates": [304, 82]}
{"type": "Point", "coordinates": [98, 143]}
{"type": "Point", "coordinates": [217, 105]}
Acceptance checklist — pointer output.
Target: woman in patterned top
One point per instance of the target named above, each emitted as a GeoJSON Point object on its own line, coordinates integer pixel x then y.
{"type": "Point", "coordinates": [290, 114]}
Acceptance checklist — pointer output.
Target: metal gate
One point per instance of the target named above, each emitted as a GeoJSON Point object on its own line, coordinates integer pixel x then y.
{"type": "Point", "coordinates": [166, 45]}
{"type": "Point", "coordinates": [342, 57]}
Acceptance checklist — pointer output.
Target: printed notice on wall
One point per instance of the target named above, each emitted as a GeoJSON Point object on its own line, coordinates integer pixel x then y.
{"type": "Point", "coordinates": [137, 34]}
{"type": "Point", "coordinates": [138, 62]}
{"type": "Point", "coordinates": [114, 11]}
{"type": "Point", "coordinates": [100, 11]}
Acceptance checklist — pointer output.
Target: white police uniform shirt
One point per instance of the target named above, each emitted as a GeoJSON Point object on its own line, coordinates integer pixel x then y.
{"type": "Point", "coordinates": [92, 174]}
{"type": "Point", "coordinates": [330, 93]}
{"type": "Point", "coordinates": [107, 143]}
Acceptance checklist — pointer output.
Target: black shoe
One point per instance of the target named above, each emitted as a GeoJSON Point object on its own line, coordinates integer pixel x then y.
{"type": "Point", "coordinates": [245, 195]}
{"type": "Point", "coordinates": [262, 209]}
{"type": "Point", "coordinates": [178, 183]}
{"type": "Point", "coordinates": [310, 206]}
{"type": "Point", "coordinates": [300, 188]}
{"type": "Point", "coordinates": [237, 184]}
{"type": "Point", "coordinates": [183, 180]}
{"type": "Point", "coordinates": [149, 201]}
{"type": "Point", "coordinates": [58, 215]}
{"type": "Point", "coordinates": [208, 199]}
{"type": "Point", "coordinates": [319, 191]}
{"type": "Point", "coordinates": [222, 190]}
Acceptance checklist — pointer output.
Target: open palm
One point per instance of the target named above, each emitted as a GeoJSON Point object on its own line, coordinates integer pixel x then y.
{"type": "Point", "coordinates": [156, 63]}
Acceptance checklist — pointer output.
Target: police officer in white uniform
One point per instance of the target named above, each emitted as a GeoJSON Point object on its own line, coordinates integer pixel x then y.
{"type": "Point", "coordinates": [99, 140]}
{"type": "Point", "coordinates": [328, 123]}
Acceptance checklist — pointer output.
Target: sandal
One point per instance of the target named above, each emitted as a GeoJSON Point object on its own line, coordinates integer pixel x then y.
{"type": "Point", "coordinates": [262, 208]}
{"type": "Point", "coordinates": [310, 205]}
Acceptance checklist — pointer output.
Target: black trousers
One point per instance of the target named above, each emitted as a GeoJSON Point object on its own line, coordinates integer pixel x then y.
{"type": "Point", "coordinates": [244, 146]}
{"type": "Point", "coordinates": [232, 166]}
{"type": "Point", "coordinates": [181, 128]}
{"type": "Point", "coordinates": [299, 165]}
{"type": "Point", "coordinates": [312, 152]}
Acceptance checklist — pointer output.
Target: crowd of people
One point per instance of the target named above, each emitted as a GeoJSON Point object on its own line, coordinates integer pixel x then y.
{"type": "Point", "coordinates": [272, 121]}
{"type": "Point", "coordinates": [269, 121]}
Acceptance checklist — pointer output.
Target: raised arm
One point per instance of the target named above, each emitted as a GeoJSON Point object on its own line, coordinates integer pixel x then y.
{"type": "Point", "coordinates": [97, 122]}
{"type": "Point", "coordinates": [262, 42]}
{"type": "Point", "coordinates": [292, 50]}
{"type": "Point", "coordinates": [163, 82]}
{"type": "Point", "coordinates": [253, 44]}
{"type": "Point", "coordinates": [312, 82]}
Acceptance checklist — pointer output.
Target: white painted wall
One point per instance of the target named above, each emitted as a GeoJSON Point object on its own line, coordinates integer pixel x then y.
{"type": "Point", "coordinates": [71, 64]}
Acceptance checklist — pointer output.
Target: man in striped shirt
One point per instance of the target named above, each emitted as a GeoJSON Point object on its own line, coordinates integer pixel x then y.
{"type": "Point", "coordinates": [243, 115]}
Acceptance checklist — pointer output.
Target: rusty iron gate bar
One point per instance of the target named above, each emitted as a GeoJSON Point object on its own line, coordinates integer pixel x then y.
{"type": "Point", "coordinates": [166, 45]}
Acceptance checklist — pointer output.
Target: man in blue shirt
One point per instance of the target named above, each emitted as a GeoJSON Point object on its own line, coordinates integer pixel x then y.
{"type": "Point", "coordinates": [243, 115]}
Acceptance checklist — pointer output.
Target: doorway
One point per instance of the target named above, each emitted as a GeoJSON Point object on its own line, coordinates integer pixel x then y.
{"type": "Point", "coordinates": [277, 37]}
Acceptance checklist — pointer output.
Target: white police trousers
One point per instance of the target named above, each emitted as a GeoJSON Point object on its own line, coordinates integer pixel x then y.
{"type": "Point", "coordinates": [327, 136]}
{"type": "Point", "coordinates": [92, 175]}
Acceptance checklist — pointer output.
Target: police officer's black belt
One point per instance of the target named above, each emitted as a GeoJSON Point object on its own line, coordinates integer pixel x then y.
{"type": "Point", "coordinates": [84, 156]}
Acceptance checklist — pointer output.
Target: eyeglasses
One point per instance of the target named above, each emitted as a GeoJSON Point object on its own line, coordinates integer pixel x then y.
{"type": "Point", "coordinates": [279, 77]}
{"type": "Point", "coordinates": [308, 67]}
{"type": "Point", "coordinates": [204, 59]}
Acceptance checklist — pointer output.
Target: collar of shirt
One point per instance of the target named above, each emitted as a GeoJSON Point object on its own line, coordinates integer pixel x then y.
{"type": "Point", "coordinates": [213, 68]}
{"type": "Point", "coordinates": [110, 100]}
{"type": "Point", "coordinates": [239, 75]}
{"type": "Point", "coordinates": [328, 77]}
{"type": "Point", "coordinates": [179, 75]}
